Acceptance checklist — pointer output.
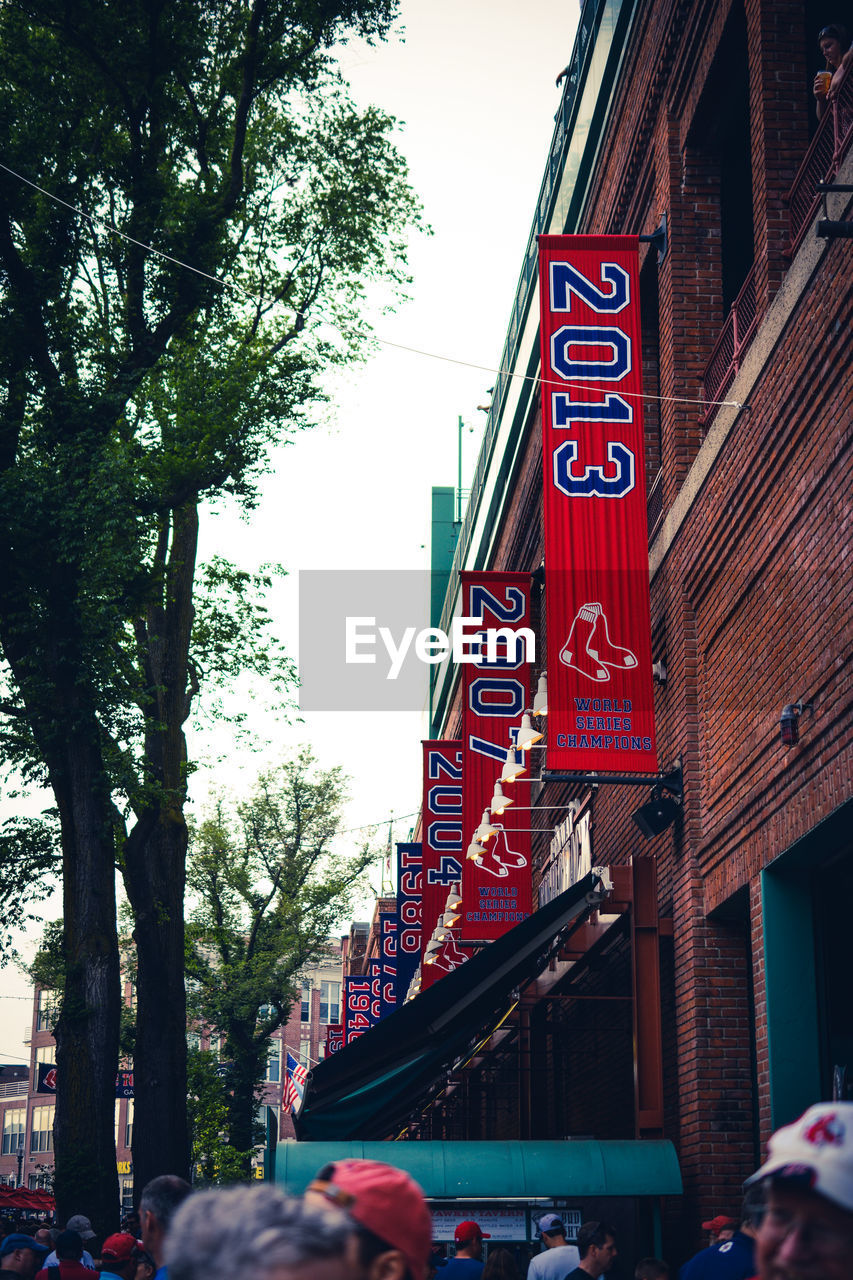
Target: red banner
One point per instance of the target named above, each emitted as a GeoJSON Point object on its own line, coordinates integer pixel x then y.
{"type": "Point", "coordinates": [496, 887]}
{"type": "Point", "coordinates": [334, 1037]}
{"type": "Point", "coordinates": [358, 1003]}
{"type": "Point", "coordinates": [600, 693]}
{"type": "Point", "coordinates": [442, 846]}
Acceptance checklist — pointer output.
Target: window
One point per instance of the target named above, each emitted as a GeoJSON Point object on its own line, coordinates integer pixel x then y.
{"type": "Point", "coordinates": [264, 1113]}
{"type": "Point", "coordinates": [330, 996]}
{"type": "Point", "coordinates": [47, 1009]}
{"type": "Point", "coordinates": [14, 1123]}
{"type": "Point", "coordinates": [40, 1182]}
{"type": "Point", "coordinates": [193, 1040]}
{"type": "Point", "coordinates": [41, 1134]}
{"type": "Point", "coordinates": [47, 1053]}
{"type": "Point", "coordinates": [117, 1120]}
{"type": "Point", "coordinates": [274, 1061]}
{"type": "Point", "coordinates": [306, 1002]}
{"type": "Point", "coordinates": [128, 1124]}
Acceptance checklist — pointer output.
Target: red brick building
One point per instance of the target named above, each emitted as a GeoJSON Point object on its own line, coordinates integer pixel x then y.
{"type": "Point", "coordinates": [26, 1116]}
{"type": "Point", "coordinates": [699, 120]}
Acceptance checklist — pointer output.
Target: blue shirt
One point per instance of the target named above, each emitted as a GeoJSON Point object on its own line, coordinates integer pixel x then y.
{"type": "Point", "coordinates": [462, 1269]}
{"type": "Point", "coordinates": [732, 1260]}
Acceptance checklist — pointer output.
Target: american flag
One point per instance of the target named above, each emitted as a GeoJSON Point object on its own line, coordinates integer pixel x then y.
{"type": "Point", "coordinates": [294, 1084]}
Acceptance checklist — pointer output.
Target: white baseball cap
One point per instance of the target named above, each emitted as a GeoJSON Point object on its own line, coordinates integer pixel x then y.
{"type": "Point", "coordinates": [817, 1150]}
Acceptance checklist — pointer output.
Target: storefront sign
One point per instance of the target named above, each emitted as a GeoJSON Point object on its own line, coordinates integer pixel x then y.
{"type": "Point", "coordinates": [496, 887]}
{"type": "Point", "coordinates": [500, 1224]}
{"type": "Point", "coordinates": [570, 854]}
{"type": "Point", "coordinates": [600, 692]}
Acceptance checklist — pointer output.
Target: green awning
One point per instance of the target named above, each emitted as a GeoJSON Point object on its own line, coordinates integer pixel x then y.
{"type": "Point", "coordinates": [367, 1090]}
{"type": "Point", "coordinates": [501, 1170]}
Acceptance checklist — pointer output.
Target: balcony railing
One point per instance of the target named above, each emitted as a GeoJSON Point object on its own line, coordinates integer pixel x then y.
{"type": "Point", "coordinates": [822, 161]}
{"type": "Point", "coordinates": [735, 337]}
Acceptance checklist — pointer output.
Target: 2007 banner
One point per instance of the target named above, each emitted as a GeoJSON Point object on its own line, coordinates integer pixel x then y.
{"type": "Point", "coordinates": [600, 691]}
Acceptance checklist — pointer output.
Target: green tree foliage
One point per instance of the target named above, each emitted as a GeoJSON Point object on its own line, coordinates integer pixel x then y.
{"type": "Point", "coordinates": [192, 211]}
{"type": "Point", "coordinates": [268, 891]}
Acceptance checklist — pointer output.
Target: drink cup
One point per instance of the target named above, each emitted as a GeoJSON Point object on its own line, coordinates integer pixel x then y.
{"type": "Point", "coordinates": [824, 80]}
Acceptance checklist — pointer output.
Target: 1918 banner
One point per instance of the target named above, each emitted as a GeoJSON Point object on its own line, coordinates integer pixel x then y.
{"type": "Point", "coordinates": [600, 692]}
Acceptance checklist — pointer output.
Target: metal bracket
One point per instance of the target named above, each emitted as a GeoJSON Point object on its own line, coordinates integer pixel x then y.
{"type": "Point", "coordinates": [659, 239]}
{"type": "Point", "coordinates": [831, 228]}
{"type": "Point", "coordinates": [672, 780]}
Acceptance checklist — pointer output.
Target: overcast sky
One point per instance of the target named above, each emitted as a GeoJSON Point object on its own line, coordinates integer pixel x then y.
{"type": "Point", "coordinates": [472, 84]}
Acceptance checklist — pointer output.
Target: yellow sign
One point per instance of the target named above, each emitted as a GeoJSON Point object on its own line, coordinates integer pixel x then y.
{"type": "Point", "coordinates": [124, 1166]}
{"type": "Point", "coordinates": [258, 1173]}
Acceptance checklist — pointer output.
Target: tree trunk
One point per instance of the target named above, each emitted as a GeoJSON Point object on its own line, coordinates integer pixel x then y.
{"type": "Point", "coordinates": [155, 874]}
{"type": "Point", "coordinates": [88, 1028]}
{"type": "Point", "coordinates": [155, 869]}
{"type": "Point", "coordinates": [246, 1077]}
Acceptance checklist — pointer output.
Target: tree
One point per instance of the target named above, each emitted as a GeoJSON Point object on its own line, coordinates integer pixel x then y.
{"type": "Point", "coordinates": [154, 150]}
{"type": "Point", "coordinates": [269, 891]}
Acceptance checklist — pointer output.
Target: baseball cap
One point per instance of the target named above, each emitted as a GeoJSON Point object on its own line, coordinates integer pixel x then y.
{"type": "Point", "coordinates": [386, 1201]}
{"type": "Point", "coordinates": [81, 1224]}
{"type": "Point", "coordinates": [469, 1231]}
{"type": "Point", "coordinates": [816, 1150]}
{"type": "Point", "coordinates": [719, 1223]}
{"type": "Point", "coordinates": [19, 1241]}
{"type": "Point", "coordinates": [120, 1246]}
{"type": "Point", "coordinates": [550, 1222]}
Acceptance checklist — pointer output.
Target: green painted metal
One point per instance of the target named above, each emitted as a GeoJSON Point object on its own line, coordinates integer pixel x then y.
{"type": "Point", "coordinates": [501, 1170]}
{"type": "Point", "coordinates": [793, 1039]}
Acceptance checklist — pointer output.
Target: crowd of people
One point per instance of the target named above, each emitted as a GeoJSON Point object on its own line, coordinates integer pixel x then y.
{"type": "Point", "coordinates": [364, 1220]}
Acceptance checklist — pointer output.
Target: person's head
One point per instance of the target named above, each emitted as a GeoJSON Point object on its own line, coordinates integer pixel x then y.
{"type": "Point", "coordinates": [80, 1223]}
{"type": "Point", "coordinates": [651, 1269]}
{"type": "Point", "coordinates": [22, 1254]}
{"type": "Point", "coordinates": [390, 1221]}
{"type": "Point", "coordinates": [469, 1240]}
{"type": "Point", "coordinates": [552, 1230]}
{"type": "Point", "coordinates": [119, 1255]}
{"type": "Point", "coordinates": [257, 1233]}
{"type": "Point", "coordinates": [806, 1230]}
{"type": "Point", "coordinates": [500, 1265]}
{"type": "Point", "coordinates": [597, 1247]}
{"type": "Point", "coordinates": [752, 1209]}
{"type": "Point", "coordinates": [833, 42]}
{"type": "Point", "coordinates": [144, 1267]}
{"type": "Point", "coordinates": [720, 1228]}
{"type": "Point", "coordinates": [43, 1236]}
{"type": "Point", "coordinates": [160, 1200]}
{"type": "Point", "coordinates": [69, 1246]}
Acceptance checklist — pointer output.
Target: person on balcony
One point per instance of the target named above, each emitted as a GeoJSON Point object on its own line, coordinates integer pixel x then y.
{"type": "Point", "coordinates": [835, 46]}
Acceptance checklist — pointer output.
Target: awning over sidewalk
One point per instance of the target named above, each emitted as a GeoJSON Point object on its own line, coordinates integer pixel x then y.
{"type": "Point", "coordinates": [370, 1087]}
{"type": "Point", "coordinates": [502, 1170]}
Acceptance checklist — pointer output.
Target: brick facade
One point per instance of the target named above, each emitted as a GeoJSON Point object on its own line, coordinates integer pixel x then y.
{"type": "Point", "coordinates": [750, 589]}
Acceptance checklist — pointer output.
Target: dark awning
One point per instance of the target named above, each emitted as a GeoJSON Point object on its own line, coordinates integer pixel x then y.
{"type": "Point", "coordinates": [367, 1089]}
{"type": "Point", "coordinates": [531, 1170]}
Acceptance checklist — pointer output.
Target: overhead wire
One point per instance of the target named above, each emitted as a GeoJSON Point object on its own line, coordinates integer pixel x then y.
{"type": "Point", "coordinates": [385, 342]}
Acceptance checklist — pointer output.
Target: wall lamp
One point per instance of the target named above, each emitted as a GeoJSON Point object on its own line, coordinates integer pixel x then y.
{"type": "Point", "coordinates": [789, 721]}
{"type": "Point", "coordinates": [663, 805]}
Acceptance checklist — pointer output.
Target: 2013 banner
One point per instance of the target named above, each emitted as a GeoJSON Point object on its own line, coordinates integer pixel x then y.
{"type": "Point", "coordinates": [600, 691]}
{"type": "Point", "coordinates": [497, 885]}
{"type": "Point", "coordinates": [441, 824]}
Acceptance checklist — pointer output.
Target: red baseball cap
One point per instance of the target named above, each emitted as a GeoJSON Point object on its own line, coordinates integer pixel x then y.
{"type": "Point", "coordinates": [386, 1201]}
{"type": "Point", "coordinates": [719, 1223]}
{"type": "Point", "coordinates": [469, 1231]}
{"type": "Point", "coordinates": [119, 1247]}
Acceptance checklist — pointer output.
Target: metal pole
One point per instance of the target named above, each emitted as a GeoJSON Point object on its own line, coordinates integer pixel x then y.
{"type": "Point", "coordinates": [459, 470]}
